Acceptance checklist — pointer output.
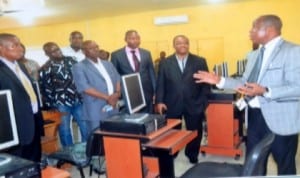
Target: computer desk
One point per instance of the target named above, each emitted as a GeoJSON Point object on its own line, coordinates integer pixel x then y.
{"type": "Point", "coordinates": [222, 127]}
{"type": "Point", "coordinates": [126, 153]}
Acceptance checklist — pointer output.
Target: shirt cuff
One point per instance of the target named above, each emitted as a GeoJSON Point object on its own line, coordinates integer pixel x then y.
{"type": "Point", "coordinates": [268, 94]}
{"type": "Point", "coordinates": [221, 83]}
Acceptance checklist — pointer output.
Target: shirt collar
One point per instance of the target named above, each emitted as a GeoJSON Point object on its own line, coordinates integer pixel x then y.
{"type": "Point", "coordinates": [271, 44]}
{"type": "Point", "coordinates": [10, 64]}
{"type": "Point", "coordinates": [130, 49]}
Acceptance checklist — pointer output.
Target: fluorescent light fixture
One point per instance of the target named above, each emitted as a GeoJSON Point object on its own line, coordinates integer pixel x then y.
{"type": "Point", "coordinates": [167, 20]}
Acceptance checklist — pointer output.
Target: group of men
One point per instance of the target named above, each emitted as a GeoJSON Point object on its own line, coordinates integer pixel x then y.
{"type": "Point", "coordinates": [180, 89]}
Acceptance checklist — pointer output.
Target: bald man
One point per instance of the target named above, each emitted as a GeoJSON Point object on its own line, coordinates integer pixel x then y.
{"type": "Point", "coordinates": [99, 83]}
{"type": "Point", "coordinates": [274, 96]}
{"type": "Point", "coordinates": [26, 107]}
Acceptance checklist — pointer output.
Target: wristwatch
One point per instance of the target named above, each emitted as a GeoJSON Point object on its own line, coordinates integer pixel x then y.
{"type": "Point", "coordinates": [267, 91]}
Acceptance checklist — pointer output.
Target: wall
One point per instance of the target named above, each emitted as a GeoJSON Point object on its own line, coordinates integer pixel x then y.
{"type": "Point", "coordinates": [218, 32]}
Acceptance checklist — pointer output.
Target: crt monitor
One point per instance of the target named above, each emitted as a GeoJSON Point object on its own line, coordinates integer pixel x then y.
{"type": "Point", "coordinates": [133, 92]}
{"type": "Point", "coordinates": [8, 128]}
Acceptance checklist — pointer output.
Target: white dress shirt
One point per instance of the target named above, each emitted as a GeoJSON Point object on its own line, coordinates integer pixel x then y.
{"type": "Point", "coordinates": [130, 58]}
{"type": "Point", "coordinates": [12, 66]}
{"type": "Point", "coordinates": [99, 66]}
{"type": "Point", "coordinates": [76, 55]}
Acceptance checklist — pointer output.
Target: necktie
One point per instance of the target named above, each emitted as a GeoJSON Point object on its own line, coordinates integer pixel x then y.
{"type": "Point", "coordinates": [27, 85]}
{"type": "Point", "coordinates": [253, 77]}
{"type": "Point", "coordinates": [135, 61]}
{"type": "Point", "coordinates": [182, 65]}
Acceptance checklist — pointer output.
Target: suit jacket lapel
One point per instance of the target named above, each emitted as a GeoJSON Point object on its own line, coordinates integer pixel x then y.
{"type": "Point", "coordinates": [187, 65]}
{"type": "Point", "coordinates": [270, 59]}
{"type": "Point", "coordinates": [126, 60]}
{"type": "Point", "coordinates": [175, 67]}
{"type": "Point", "coordinates": [91, 67]}
{"type": "Point", "coordinates": [12, 75]}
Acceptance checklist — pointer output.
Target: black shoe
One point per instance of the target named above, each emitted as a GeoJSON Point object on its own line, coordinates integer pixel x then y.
{"type": "Point", "coordinates": [193, 160]}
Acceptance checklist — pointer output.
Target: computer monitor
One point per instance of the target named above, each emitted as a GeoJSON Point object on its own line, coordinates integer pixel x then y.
{"type": "Point", "coordinates": [241, 65]}
{"type": "Point", "coordinates": [133, 93]}
{"type": "Point", "coordinates": [8, 128]}
{"type": "Point", "coordinates": [218, 69]}
{"type": "Point", "coordinates": [224, 69]}
{"type": "Point", "coordinates": [221, 69]}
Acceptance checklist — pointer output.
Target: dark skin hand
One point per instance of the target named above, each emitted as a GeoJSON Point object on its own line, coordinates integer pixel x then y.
{"type": "Point", "coordinates": [251, 89]}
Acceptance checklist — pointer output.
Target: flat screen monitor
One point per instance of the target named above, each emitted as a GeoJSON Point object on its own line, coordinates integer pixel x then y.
{"type": "Point", "coordinates": [221, 69]}
{"type": "Point", "coordinates": [224, 69]}
{"type": "Point", "coordinates": [133, 93]}
{"type": "Point", "coordinates": [218, 69]}
{"type": "Point", "coordinates": [8, 128]}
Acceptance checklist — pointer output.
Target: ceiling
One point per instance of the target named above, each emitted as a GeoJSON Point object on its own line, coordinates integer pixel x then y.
{"type": "Point", "coordinates": [42, 12]}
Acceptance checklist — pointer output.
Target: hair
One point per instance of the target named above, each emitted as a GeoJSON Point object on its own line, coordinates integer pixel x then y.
{"type": "Point", "coordinates": [73, 33]}
{"type": "Point", "coordinates": [272, 20]}
{"type": "Point", "coordinates": [129, 32]}
{"type": "Point", "coordinates": [5, 37]}
{"type": "Point", "coordinates": [85, 43]}
{"type": "Point", "coordinates": [46, 45]}
{"type": "Point", "coordinates": [180, 36]}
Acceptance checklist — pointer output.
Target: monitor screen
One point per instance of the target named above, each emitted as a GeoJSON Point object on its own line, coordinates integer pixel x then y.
{"type": "Point", "coordinates": [133, 92]}
{"type": "Point", "coordinates": [8, 128]}
{"type": "Point", "coordinates": [218, 69]}
{"type": "Point", "coordinates": [224, 69]}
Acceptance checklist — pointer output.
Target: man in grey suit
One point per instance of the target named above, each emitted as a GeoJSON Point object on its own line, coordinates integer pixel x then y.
{"type": "Point", "coordinates": [131, 59]}
{"type": "Point", "coordinates": [99, 83]}
{"type": "Point", "coordinates": [274, 97]}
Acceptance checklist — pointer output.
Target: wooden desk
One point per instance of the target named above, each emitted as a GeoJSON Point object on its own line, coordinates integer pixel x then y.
{"type": "Point", "coordinates": [124, 152]}
{"type": "Point", "coordinates": [51, 172]}
{"type": "Point", "coordinates": [222, 128]}
{"type": "Point", "coordinates": [50, 140]}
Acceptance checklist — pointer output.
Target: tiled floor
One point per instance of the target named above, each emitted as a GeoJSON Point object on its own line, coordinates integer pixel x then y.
{"type": "Point", "coordinates": [182, 164]}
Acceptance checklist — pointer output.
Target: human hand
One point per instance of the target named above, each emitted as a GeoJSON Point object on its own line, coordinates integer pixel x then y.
{"type": "Point", "coordinates": [251, 89]}
{"type": "Point", "coordinates": [113, 99]}
{"type": "Point", "coordinates": [206, 77]}
{"type": "Point", "coordinates": [161, 108]}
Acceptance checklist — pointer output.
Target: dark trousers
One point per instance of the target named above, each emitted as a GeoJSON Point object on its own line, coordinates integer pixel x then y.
{"type": "Point", "coordinates": [192, 122]}
{"type": "Point", "coordinates": [283, 149]}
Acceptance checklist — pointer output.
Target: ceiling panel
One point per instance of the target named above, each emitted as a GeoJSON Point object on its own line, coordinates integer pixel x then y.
{"type": "Point", "coordinates": [42, 12]}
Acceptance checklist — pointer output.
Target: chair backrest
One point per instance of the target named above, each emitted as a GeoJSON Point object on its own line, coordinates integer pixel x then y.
{"type": "Point", "coordinates": [254, 164]}
{"type": "Point", "coordinates": [94, 145]}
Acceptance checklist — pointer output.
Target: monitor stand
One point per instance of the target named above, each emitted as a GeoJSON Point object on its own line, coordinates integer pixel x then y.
{"type": "Point", "coordinates": [4, 159]}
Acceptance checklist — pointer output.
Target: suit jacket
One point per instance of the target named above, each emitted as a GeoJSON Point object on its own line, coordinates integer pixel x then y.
{"type": "Point", "coordinates": [281, 74]}
{"type": "Point", "coordinates": [178, 90]}
{"type": "Point", "coordinates": [120, 61]}
{"type": "Point", "coordinates": [87, 76]}
{"type": "Point", "coordinates": [26, 121]}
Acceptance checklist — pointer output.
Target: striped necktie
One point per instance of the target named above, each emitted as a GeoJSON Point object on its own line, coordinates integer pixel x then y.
{"type": "Point", "coordinates": [26, 84]}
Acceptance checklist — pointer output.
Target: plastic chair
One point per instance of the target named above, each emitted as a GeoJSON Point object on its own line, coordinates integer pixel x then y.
{"type": "Point", "coordinates": [253, 166]}
{"type": "Point", "coordinates": [80, 154]}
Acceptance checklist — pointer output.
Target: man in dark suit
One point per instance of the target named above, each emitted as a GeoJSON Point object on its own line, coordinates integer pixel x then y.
{"type": "Point", "coordinates": [14, 77]}
{"type": "Point", "coordinates": [131, 59]}
{"type": "Point", "coordinates": [178, 95]}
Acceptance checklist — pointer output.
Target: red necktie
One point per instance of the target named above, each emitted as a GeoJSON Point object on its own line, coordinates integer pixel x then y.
{"type": "Point", "coordinates": [136, 61]}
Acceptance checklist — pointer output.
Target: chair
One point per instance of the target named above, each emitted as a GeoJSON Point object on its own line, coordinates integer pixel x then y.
{"type": "Point", "coordinates": [80, 154]}
{"type": "Point", "coordinates": [253, 166]}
